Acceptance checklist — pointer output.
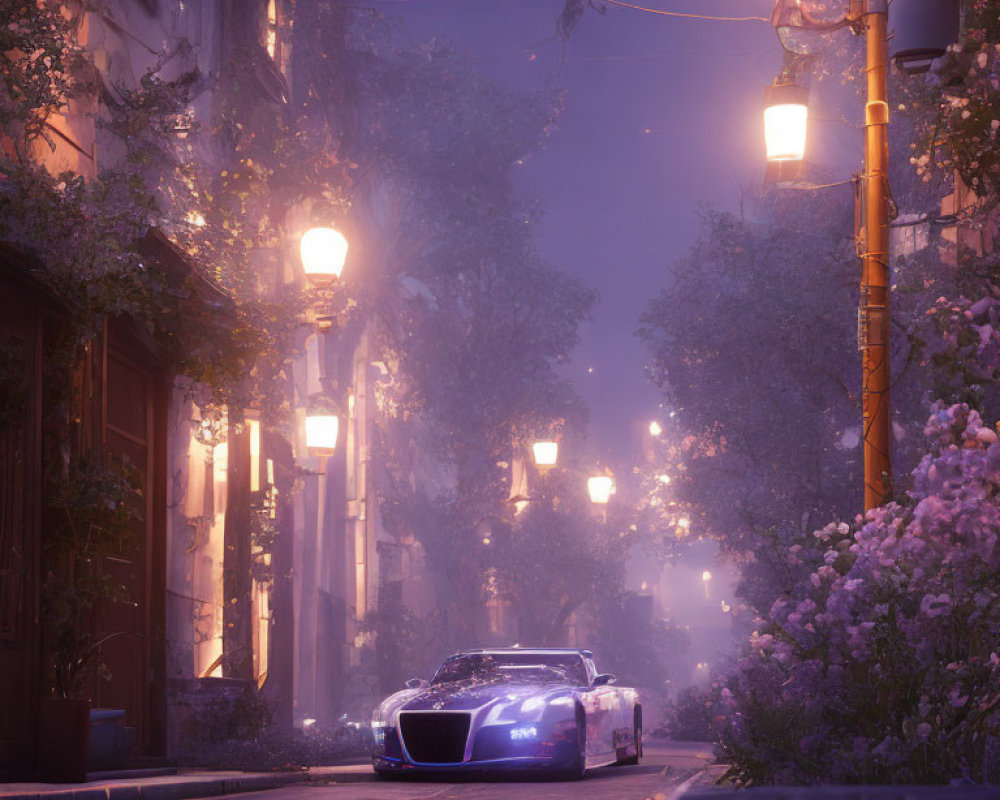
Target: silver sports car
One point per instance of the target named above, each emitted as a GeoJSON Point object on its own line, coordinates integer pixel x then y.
{"type": "Point", "coordinates": [509, 708]}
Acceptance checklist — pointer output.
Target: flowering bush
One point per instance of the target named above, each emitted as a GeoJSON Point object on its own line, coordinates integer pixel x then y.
{"type": "Point", "coordinates": [960, 339]}
{"type": "Point", "coordinates": [698, 714]}
{"type": "Point", "coordinates": [883, 666]}
{"type": "Point", "coordinates": [236, 731]}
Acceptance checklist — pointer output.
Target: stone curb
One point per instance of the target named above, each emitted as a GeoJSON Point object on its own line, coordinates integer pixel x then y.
{"type": "Point", "coordinates": [180, 788]}
{"type": "Point", "coordinates": [828, 792]}
{"type": "Point", "coordinates": [352, 773]}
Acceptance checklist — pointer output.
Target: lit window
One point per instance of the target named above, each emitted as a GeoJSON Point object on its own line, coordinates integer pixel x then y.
{"type": "Point", "coordinates": [271, 33]}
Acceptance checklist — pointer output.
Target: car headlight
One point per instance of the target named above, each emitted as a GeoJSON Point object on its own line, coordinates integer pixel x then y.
{"type": "Point", "coordinates": [378, 732]}
{"type": "Point", "coordinates": [566, 701]}
{"type": "Point", "coordinates": [532, 704]}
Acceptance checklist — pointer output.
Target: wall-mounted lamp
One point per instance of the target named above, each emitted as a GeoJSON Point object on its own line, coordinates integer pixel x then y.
{"type": "Point", "coordinates": [321, 433]}
{"type": "Point", "coordinates": [323, 252]}
{"type": "Point", "coordinates": [545, 454]}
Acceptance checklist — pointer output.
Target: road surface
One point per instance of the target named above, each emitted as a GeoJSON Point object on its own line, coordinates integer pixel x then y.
{"type": "Point", "coordinates": [665, 766]}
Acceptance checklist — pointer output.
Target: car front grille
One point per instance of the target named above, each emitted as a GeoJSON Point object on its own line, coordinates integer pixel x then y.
{"type": "Point", "coordinates": [435, 737]}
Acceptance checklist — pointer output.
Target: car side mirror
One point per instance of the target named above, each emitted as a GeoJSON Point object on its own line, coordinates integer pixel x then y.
{"type": "Point", "coordinates": [604, 679]}
{"type": "Point", "coordinates": [416, 683]}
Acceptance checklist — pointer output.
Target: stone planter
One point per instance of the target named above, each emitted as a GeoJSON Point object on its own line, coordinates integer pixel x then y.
{"type": "Point", "coordinates": [111, 741]}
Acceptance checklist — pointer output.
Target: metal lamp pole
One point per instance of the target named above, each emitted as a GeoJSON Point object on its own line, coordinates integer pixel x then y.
{"type": "Point", "coordinates": [873, 312]}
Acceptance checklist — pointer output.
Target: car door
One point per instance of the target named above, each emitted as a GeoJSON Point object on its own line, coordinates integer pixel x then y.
{"type": "Point", "coordinates": [602, 707]}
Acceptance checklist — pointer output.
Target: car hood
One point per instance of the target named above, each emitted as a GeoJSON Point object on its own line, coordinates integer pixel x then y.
{"type": "Point", "coordinates": [464, 696]}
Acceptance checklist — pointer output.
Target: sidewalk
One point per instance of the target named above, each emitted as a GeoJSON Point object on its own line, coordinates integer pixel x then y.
{"type": "Point", "coordinates": [953, 792]}
{"type": "Point", "coordinates": [185, 784]}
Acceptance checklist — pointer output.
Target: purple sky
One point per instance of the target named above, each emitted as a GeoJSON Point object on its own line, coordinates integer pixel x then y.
{"type": "Point", "coordinates": [662, 115]}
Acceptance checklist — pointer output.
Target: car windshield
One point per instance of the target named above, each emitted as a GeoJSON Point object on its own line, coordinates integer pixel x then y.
{"type": "Point", "coordinates": [514, 668]}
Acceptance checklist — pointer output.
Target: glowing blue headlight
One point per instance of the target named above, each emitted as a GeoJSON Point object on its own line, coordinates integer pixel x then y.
{"type": "Point", "coordinates": [523, 733]}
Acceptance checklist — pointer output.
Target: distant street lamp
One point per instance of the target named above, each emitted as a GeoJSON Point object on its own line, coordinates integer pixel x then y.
{"type": "Point", "coordinates": [323, 252]}
{"type": "Point", "coordinates": [545, 454]}
{"type": "Point", "coordinates": [600, 487]}
{"type": "Point", "coordinates": [706, 580]}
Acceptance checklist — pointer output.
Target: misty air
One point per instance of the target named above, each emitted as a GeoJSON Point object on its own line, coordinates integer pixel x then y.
{"type": "Point", "coordinates": [564, 399]}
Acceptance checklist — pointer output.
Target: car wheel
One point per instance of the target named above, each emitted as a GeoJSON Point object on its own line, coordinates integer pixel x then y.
{"type": "Point", "coordinates": [637, 738]}
{"type": "Point", "coordinates": [577, 767]}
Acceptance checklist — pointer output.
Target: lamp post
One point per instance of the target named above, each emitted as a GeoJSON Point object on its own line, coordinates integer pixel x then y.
{"type": "Point", "coordinates": [873, 312]}
{"type": "Point", "coordinates": [785, 129]}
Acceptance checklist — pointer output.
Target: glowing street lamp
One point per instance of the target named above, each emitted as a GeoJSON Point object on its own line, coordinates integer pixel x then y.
{"type": "Point", "coordinates": [545, 454]}
{"type": "Point", "coordinates": [706, 579]}
{"type": "Point", "coordinates": [655, 429]}
{"type": "Point", "coordinates": [321, 433]}
{"type": "Point", "coordinates": [785, 115]}
{"type": "Point", "coordinates": [785, 124]}
{"type": "Point", "coordinates": [323, 251]}
{"type": "Point", "coordinates": [600, 487]}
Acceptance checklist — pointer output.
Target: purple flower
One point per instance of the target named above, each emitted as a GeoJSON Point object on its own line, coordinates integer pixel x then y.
{"type": "Point", "coordinates": [935, 606]}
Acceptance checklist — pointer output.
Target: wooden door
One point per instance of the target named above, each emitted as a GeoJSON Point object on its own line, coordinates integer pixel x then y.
{"type": "Point", "coordinates": [134, 402]}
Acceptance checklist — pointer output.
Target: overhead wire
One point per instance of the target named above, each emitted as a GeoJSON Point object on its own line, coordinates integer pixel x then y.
{"type": "Point", "coordinates": [683, 15]}
{"type": "Point", "coordinates": [813, 186]}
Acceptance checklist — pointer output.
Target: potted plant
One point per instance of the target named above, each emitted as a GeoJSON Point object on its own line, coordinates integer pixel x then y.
{"type": "Point", "coordinates": [92, 507]}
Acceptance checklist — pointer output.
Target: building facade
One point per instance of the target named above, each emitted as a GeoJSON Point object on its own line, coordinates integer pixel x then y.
{"type": "Point", "coordinates": [252, 560]}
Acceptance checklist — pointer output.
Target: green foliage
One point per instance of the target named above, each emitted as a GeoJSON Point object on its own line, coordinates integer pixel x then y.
{"type": "Point", "coordinates": [651, 654]}
{"type": "Point", "coordinates": [571, 15]}
{"type": "Point", "coordinates": [554, 559]}
{"type": "Point", "coordinates": [92, 508]}
{"type": "Point", "coordinates": [401, 642]}
{"type": "Point", "coordinates": [241, 717]}
{"type": "Point", "coordinates": [980, 22]}
{"type": "Point", "coordinates": [41, 67]}
{"type": "Point", "coordinates": [959, 127]}
{"type": "Point", "coordinates": [472, 323]}
{"type": "Point", "coordinates": [235, 730]}
{"type": "Point", "coordinates": [222, 221]}
{"type": "Point", "coordinates": [881, 666]}
{"type": "Point", "coordinates": [734, 349]}
{"type": "Point", "coordinates": [697, 713]}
